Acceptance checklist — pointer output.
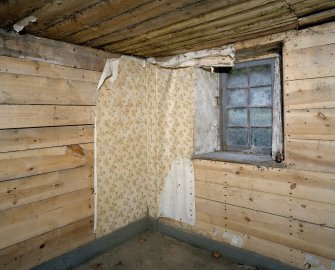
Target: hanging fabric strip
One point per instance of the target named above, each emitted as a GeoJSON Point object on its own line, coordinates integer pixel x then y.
{"type": "Point", "coordinates": [220, 57]}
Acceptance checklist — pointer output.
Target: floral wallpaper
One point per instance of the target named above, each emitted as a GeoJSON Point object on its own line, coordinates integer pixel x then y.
{"type": "Point", "coordinates": [121, 148]}
{"type": "Point", "coordinates": [144, 122]}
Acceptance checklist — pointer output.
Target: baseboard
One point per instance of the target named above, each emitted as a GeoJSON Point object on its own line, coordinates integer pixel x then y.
{"type": "Point", "coordinates": [236, 254]}
{"type": "Point", "coordinates": [85, 253]}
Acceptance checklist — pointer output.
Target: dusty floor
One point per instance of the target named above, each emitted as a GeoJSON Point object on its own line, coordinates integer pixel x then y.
{"type": "Point", "coordinates": [153, 251]}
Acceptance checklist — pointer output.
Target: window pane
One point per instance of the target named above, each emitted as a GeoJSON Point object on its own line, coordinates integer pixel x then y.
{"type": "Point", "coordinates": [237, 97]}
{"type": "Point", "coordinates": [237, 136]}
{"type": "Point", "coordinates": [262, 137]}
{"type": "Point", "coordinates": [261, 96]}
{"type": "Point", "coordinates": [238, 78]}
{"type": "Point", "coordinates": [260, 75]}
{"type": "Point", "coordinates": [237, 117]}
{"type": "Point", "coordinates": [261, 117]}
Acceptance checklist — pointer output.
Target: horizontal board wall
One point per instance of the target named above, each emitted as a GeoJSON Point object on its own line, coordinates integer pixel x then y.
{"type": "Point", "coordinates": [284, 213]}
{"type": "Point", "coordinates": [46, 148]}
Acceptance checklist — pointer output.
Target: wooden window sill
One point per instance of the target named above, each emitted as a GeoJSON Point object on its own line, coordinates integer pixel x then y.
{"type": "Point", "coordinates": [242, 158]}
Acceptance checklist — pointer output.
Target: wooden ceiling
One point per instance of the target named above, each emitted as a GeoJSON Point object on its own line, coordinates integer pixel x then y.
{"type": "Point", "coordinates": [161, 27]}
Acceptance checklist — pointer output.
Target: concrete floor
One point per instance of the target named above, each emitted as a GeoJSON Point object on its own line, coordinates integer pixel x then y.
{"type": "Point", "coordinates": [154, 251]}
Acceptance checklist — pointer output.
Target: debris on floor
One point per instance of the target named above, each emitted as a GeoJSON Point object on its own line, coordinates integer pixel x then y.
{"type": "Point", "coordinates": [216, 255]}
{"type": "Point", "coordinates": [152, 251]}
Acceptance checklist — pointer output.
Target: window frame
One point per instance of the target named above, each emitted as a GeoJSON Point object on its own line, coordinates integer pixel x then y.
{"type": "Point", "coordinates": [223, 117]}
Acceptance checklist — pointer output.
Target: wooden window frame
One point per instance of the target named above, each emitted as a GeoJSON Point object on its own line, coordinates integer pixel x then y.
{"type": "Point", "coordinates": [224, 108]}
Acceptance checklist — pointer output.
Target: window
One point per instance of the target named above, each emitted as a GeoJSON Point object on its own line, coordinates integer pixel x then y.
{"type": "Point", "coordinates": [251, 108]}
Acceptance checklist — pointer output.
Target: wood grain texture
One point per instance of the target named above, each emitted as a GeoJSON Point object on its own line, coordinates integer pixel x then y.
{"type": "Point", "coordinates": [283, 253]}
{"type": "Point", "coordinates": [23, 89]}
{"type": "Point", "coordinates": [312, 155]}
{"type": "Point", "coordinates": [310, 93]}
{"type": "Point", "coordinates": [310, 37]}
{"type": "Point", "coordinates": [53, 12]}
{"type": "Point", "coordinates": [313, 62]}
{"type": "Point", "coordinates": [21, 66]}
{"type": "Point", "coordinates": [34, 138]}
{"type": "Point", "coordinates": [285, 206]}
{"type": "Point", "coordinates": [91, 17]}
{"type": "Point", "coordinates": [28, 221]}
{"type": "Point", "coordinates": [10, 13]}
{"type": "Point", "coordinates": [26, 190]}
{"type": "Point", "coordinates": [51, 51]}
{"type": "Point", "coordinates": [38, 161]}
{"type": "Point", "coordinates": [147, 13]}
{"type": "Point", "coordinates": [22, 116]}
{"type": "Point", "coordinates": [315, 124]}
{"type": "Point", "coordinates": [131, 27]}
{"type": "Point", "coordinates": [46, 152]}
{"type": "Point", "coordinates": [215, 21]}
{"type": "Point", "coordinates": [42, 248]}
{"type": "Point", "coordinates": [170, 22]}
{"type": "Point", "coordinates": [302, 8]}
{"type": "Point", "coordinates": [297, 234]}
{"type": "Point", "coordinates": [300, 184]}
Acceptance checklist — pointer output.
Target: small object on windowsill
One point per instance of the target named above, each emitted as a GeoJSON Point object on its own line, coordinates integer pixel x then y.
{"type": "Point", "coordinates": [242, 158]}
{"type": "Point", "coordinates": [216, 254]}
{"type": "Point", "coordinates": [279, 157]}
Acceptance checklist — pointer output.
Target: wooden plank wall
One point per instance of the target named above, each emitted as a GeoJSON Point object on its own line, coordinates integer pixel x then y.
{"type": "Point", "coordinates": [46, 148]}
{"type": "Point", "coordinates": [289, 213]}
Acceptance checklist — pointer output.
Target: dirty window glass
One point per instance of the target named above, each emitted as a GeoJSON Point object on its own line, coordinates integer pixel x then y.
{"type": "Point", "coordinates": [247, 107]}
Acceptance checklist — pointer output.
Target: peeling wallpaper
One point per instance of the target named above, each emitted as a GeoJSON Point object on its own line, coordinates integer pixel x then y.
{"type": "Point", "coordinates": [144, 122]}
{"type": "Point", "coordinates": [121, 148]}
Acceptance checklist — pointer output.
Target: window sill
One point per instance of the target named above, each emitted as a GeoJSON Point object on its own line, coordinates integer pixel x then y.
{"type": "Point", "coordinates": [234, 157]}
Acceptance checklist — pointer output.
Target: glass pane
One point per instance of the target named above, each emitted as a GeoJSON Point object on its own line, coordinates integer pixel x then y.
{"type": "Point", "coordinates": [261, 96]}
{"type": "Point", "coordinates": [261, 137]}
{"type": "Point", "coordinates": [237, 97]}
{"type": "Point", "coordinates": [261, 117]}
{"type": "Point", "coordinates": [237, 136]}
{"type": "Point", "coordinates": [238, 78]}
{"type": "Point", "coordinates": [238, 117]}
{"type": "Point", "coordinates": [260, 75]}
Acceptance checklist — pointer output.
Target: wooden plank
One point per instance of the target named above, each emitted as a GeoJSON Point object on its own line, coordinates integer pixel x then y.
{"type": "Point", "coordinates": [326, 15]}
{"type": "Point", "coordinates": [217, 32]}
{"type": "Point", "coordinates": [89, 17]}
{"type": "Point", "coordinates": [311, 37]}
{"type": "Point", "coordinates": [51, 51]}
{"type": "Point", "coordinates": [53, 12]}
{"type": "Point", "coordinates": [218, 20]}
{"type": "Point", "coordinates": [297, 234]}
{"type": "Point", "coordinates": [307, 185]}
{"type": "Point", "coordinates": [39, 187]}
{"type": "Point", "coordinates": [42, 248]}
{"type": "Point", "coordinates": [302, 8]}
{"type": "Point", "coordinates": [171, 22]}
{"type": "Point", "coordinates": [310, 124]}
{"type": "Point", "coordinates": [314, 155]}
{"type": "Point", "coordinates": [23, 89]}
{"type": "Point", "coordinates": [313, 62]}
{"type": "Point", "coordinates": [36, 68]}
{"type": "Point", "coordinates": [33, 162]}
{"type": "Point", "coordinates": [132, 17]}
{"type": "Point", "coordinates": [285, 206]}
{"type": "Point", "coordinates": [19, 116]}
{"type": "Point", "coordinates": [10, 13]}
{"type": "Point", "coordinates": [220, 39]}
{"type": "Point", "coordinates": [285, 254]}
{"type": "Point", "coordinates": [33, 138]}
{"type": "Point", "coordinates": [28, 221]}
{"type": "Point", "coordinates": [310, 93]}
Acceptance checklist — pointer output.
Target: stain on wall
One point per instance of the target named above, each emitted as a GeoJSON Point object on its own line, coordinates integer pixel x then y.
{"type": "Point", "coordinates": [145, 120]}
